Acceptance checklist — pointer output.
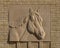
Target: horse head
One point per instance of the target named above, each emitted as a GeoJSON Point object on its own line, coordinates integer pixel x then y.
{"type": "Point", "coordinates": [35, 24]}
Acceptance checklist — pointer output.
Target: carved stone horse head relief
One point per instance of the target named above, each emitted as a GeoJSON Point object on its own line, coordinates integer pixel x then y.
{"type": "Point", "coordinates": [34, 25]}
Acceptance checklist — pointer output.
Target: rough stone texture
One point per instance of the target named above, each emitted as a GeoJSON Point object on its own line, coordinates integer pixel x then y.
{"type": "Point", "coordinates": [55, 20]}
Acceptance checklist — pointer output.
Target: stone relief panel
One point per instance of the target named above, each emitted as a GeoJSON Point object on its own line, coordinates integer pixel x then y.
{"type": "Point", "coordinates": [29, 23]}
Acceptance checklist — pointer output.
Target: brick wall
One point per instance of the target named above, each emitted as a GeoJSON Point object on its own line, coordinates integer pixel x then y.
{"type": "Point", "coordinates": [55, 20]}
{"type": "Point", "coordinates": [55, 26]}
